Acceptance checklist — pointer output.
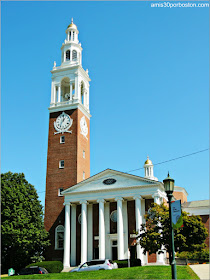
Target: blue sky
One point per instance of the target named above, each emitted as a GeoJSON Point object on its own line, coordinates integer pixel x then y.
{"type": "Point", "coordinates": [149, 92]}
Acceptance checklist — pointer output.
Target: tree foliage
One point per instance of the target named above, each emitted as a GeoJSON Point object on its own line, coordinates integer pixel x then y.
{"type": "Point", "coordinates": [22, 228]}
{"type": "Point", "coordinates": [155, 233]}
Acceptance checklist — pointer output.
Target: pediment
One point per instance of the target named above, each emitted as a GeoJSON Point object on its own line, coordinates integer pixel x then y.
{"type": "Point", "coordinates": [98, 182]}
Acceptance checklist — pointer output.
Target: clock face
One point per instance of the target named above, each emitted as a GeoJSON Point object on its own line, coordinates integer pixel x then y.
{"type": "Point", "coordinates": [63, 123]}
{"type": "Point", "coordinates": [83, 126]}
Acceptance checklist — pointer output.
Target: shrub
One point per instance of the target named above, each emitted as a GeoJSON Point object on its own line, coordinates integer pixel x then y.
{"type": "Point", "coordinates": [51, 266]}
{"type": "Point", "coordinates": [203, 254]}
{"type": "Point", "coordinates": [135, 262]}
{"type": "Point", "coordinates": [124, 263]}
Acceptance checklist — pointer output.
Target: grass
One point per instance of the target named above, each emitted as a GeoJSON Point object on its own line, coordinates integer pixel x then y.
{"type": "Point", "coordinates": [143, 272]}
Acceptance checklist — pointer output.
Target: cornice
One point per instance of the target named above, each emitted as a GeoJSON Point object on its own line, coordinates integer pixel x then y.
{"type": "Point", "coordinates": [144, 191]}
{"type": "Point", "coordinates": [58, 70]}
{"type": "Point", "coordinates": [65, 107]}
{"type": "Point", "coordinates": [71, 44]}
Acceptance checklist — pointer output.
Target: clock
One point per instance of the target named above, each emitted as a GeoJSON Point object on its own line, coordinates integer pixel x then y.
{"type": "Point", "coordinates": [63, 123]}
{"type": "Point", "coordinates": [84, 127]}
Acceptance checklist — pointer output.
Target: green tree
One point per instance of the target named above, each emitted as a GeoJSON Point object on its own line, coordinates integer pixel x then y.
{"type": "Point", "coordinates": [155, 232]}
{"type": "Point", "coordinates": [22, 227]}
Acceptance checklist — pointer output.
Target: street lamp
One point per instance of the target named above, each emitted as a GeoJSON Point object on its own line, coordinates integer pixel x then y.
{"type": "Point", "coordinates": [169, 188]}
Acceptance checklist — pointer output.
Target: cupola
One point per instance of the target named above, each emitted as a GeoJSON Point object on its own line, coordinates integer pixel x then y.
{"type": "Point", "coordinates": [72, 32]}
{"type": "Point", "coordinates": [148, 169]}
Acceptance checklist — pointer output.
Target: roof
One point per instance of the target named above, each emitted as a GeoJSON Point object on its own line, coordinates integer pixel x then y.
{"type": "Point", "coordinates": [197, 203]}
{"type": "Point", "coordinates": [99, 186]}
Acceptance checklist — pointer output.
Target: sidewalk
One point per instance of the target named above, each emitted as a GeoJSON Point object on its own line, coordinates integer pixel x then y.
{"type": "Point", "coordinates": [202, 270]}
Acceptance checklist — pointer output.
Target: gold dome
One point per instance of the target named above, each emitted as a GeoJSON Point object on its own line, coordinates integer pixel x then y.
{"type": "Point", "coordinates": [148, 161]}
{"type": "Point", "coordinates": [72, 24]}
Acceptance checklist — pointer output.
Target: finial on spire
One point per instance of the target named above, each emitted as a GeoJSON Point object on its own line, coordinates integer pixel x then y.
{"type": "Point", "coordinates": [72, 20]}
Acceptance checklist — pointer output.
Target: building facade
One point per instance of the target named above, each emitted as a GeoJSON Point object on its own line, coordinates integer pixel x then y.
{"type": "Point", "coordinates": [90, 217]}
{"type": "Point", "coordinates": [107, 209]}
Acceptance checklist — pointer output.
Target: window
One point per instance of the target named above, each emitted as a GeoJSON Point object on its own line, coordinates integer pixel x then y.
{"type": "Point", "coordinates": [69, 36]}
{"type": "Point", "coordinates": [68, 55]}
{"type": "Point", "coordinates": [74, 55]}
{"type": "Point", "coordinates": [73, 35]}
{"type": "Point", "coordinates": [113, 216]}
{"type": "Point", "coordinates": [83, 154]}
{"type": "Point", "coordinates": [79, 218]}
{"type": "Point", "coordinates": [114, 243]}
{"type": "Point", "coordinates": [83, 175]}
{"type": "Point", "coordinates": [59, 237]}
{"type": "Point", "coordinates": [62, 139]}
{"type": "Point", "coordinates": [61, 164]}
{"type": "Point", "coordinates": [60, 191]}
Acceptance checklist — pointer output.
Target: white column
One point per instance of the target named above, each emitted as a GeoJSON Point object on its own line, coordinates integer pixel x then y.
{"type": "Point", "coordinates": [59, 93]}
{"type": "Point", "coordinates": [79, 92]}
{"type": "Point", "coordinates": [159, 257]}
{"type": "Point", "coordinates": [125, 227]}
{"type": "Point", "coordinates": [76, 86]}
{"type": "Point", "coordinates": [66, 256]}
{"type": "Point", "coordinates": [87, 101]}
{"type": "Point", "coordinates": [107, 230]}
{"type": "Point", "coordinates": [52, 93]}
{"type": "Point", "coordinates": [71, 90]}
{"type": "Point", "coordinates": [90, 232]}
{"type": "Point", "coordinates": [73, 234]}
{"type": "Point", "coordinates": [138, 223]}
{"type": "Point", "coordinates": [120, 230]}
{"type": "Point", "coordinates": [83, 231]}
{"type": "Point", "coordinates": [101, 229]}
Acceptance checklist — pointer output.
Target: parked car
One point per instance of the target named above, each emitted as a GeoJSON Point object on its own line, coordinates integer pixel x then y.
{"type": "Point", "coordinates": [95, 265]}
{"type": "Point", "coordinates": [32, 270]}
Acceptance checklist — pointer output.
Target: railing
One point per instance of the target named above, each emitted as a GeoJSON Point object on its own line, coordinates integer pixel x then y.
{"type": "Point", "coordinates": [71, 101]}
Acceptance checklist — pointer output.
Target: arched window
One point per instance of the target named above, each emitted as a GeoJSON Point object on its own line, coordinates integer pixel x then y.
{"type": "Point", "coordinates": [59, 237]}
{"type": "Point", "coordinates": [113, 216]}
{"type": "Point", "coordinates": [74, 55]}
{"type": "Point", "coordinates": [65, 89]}
{"type": "Point", "coordinates": [68, 55]}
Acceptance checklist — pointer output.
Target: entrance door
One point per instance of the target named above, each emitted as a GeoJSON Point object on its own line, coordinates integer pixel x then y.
{"type": "Point", "coordinates": [114, 250]}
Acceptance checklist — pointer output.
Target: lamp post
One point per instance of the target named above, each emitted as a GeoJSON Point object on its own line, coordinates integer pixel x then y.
{"type": "Point", "coordinates": [169, 188]}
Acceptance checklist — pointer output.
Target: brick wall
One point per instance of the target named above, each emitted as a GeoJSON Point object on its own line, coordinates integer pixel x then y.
{"type": "Point", "coordinates": [72, 173]}
{"type": "Point", "coordinates": [180, 196]}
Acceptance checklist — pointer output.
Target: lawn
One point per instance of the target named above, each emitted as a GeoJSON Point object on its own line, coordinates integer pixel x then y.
{"type": "Point", "coordinates": [142, 272]}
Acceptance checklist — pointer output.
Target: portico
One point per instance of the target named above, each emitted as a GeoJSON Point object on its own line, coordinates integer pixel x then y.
{"type": "Point", "coordinates": [106, 191]}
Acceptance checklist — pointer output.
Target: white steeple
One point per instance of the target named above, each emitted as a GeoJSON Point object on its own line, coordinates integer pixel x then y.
{"type": "Point", "coordinates": [148, 169]}
{"type": "Point", "coordinates": [70, 82]}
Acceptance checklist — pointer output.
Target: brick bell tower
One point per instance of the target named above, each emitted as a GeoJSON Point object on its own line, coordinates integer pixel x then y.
{"type": "Point", "coordinates": [68, 157]}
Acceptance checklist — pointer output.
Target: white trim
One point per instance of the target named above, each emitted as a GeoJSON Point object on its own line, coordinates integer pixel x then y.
{"type": "Point", "coordinates": [100, 176]}
{"type": "Point", "coordinates": [201, 210]}
{"type": "Point", "coordinates": [70, 106]}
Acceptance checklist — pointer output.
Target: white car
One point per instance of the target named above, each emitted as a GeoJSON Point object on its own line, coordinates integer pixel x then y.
{"type": "Point", "coordinates": [95, 265]}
